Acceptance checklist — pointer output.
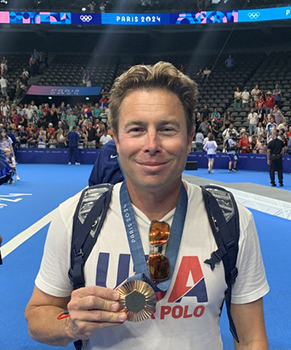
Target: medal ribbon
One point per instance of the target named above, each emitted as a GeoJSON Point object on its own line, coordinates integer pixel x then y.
{"type": "Point", "coordinates": [135, 244]}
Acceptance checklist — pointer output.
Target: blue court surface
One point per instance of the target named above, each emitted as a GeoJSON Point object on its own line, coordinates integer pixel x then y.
{"type": "Point", "coordinates": [25, 211]}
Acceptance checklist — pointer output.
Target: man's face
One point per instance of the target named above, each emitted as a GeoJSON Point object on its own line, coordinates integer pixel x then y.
{"type": "Point", "coordinates": [152, 140]}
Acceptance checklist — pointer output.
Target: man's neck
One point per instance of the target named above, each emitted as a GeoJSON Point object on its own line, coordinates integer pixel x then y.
{"type": "Point", "coordinates": [155, 204]}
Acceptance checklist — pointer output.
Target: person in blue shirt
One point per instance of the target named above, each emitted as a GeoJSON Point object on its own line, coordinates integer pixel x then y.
{"type": "Point", "coordinates": [73, 138]}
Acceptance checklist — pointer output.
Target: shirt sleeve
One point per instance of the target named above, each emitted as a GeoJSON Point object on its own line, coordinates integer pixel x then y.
{"type": "Point", "coordinates": [53, 277]}
{"type": "Point", "coordinates": [251, 283]}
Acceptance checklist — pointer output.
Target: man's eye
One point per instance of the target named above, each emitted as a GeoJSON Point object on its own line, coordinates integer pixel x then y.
{"type": "Point", "coordinates": [136, 130]}
{"type": "Point", "coordinates": [168, 130]}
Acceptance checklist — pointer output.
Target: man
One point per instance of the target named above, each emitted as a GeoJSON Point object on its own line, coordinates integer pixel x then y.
{"type": "Point", "coordinates": [253, 120]}
{"type": "Point", "coordinates": [255, 95]}
{"type": "Point", "coordinates": [277, 95]}
{"type": "Point", "coordinates": [3, 85]}
{"type": "Point", "coordinates": [279, 118]}
{"type": "Point", "coordinates": [229, 62]}
{"type": "Point", "coordinates": [275, 151]}
{"type": "Point", "coordinates": [270, 101]}
{"type": "Point", "coordinates": [245, 96]}
{"type": "Point", "coordinates": [227, 132]}
{"type": "Point", "coordinates": [73, 138]}
{"type": "Point", "coordinates": [270, 127]}
{"type": "Point", "coordinates": [152, 118]}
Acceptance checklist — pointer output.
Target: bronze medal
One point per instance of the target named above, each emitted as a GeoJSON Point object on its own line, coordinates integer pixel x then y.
{"type": "Point", "coordinates": [137, 299]}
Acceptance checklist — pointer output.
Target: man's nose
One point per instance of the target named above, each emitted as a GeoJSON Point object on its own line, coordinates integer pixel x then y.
{"type": "Point", "coordinates": [152, 142]}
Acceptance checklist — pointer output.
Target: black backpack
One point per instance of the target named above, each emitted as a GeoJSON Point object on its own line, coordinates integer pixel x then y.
{"type": "Point", "coordinates": [223, 217]}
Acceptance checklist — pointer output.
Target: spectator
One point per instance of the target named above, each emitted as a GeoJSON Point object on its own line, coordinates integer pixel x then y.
{"type": "Point", "coordinates": [243, 143]}
{"type": "Point", "coordinates": [103, 102]}
{"type": "Point", "coordinates": [205, 127]}
{"type": "Point", "coordinates": [253, 120]}
{"type": "Point", "coordinates": [252, 143]}
{"type": "Point", "coordinates": [85, 76]}
{"type": "Point", "coordinates": [270, 127]}
{"type": "Point", "coordinates": [105, 137]}
{"type": "Point", "coordinates": [227, 119]}
{"type": "Point", "coordinates": [4, 66]}
{"type": "Point", "coordinates": [92, 6]}
{"type": "Point", "coordinates": [279, 118]}
{"type": "Point", "coordinates": [4, 85]}
{"type": "Point", "coordinates": [61, 140]}
{"type": "Point", "coordinates": [255, 94]}
{"type": "Point", "coordinates": [96, 111]}
{"type": "Point", "coordinates": [237, 103]}
{"type": "Point", "coordinates": [270, 101]}
{"type": "Point", "coordinates": [199, 139]}
{"type": "Point", "coordinates": [205, 113]}
{"type": "Point", "coordinates": [206, 73]}
{"type": "Point", "coordinates": [92, 134]}
{"type": "Point", "coordinates": [103, 116]}
{"type": "Point", "coordinates": [215, 114]}
{"type": "Point", "coordinates": [260, 130]}
{"type": "Point", "coordinates": [229, 62]}
{"type": "Point", "coordinates": [72, 120]}
{"type": "Point", "coordinates": [23, 137]}
{"type": "Point", "coordinates": [277, 93]}
{"type": "Point", "coordinates": [245, 96]}
{"type": "Point", "coordinates": [42, 138]}
{"type": "Point", "coordinates": [261, 146]}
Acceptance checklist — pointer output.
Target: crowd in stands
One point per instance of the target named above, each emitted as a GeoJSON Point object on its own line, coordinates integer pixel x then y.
{"type": "Point", "coordinates": [264, 115]}
{"type": "Point", "coordinates": [45, 126]}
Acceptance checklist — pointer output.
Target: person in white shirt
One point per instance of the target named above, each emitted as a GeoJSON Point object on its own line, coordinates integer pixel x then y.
{"type": "Point", "coordinates": [4, 85]}
{"type": "Point", "coordinates": [245, 98]}
{"type": "Point", "coordinates": [253, 119]}
{"type": "Point", "coordinates": [153, 125]}
{"type": "Point", "coordinates": [260, 130]}
{"type": "Point", "coordinates": [255, 95]}
{"type": "Point", "coordinates": [105, 137]}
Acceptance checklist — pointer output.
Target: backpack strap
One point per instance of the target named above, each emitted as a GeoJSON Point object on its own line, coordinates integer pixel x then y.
{"type": "Point", "coordinates": [88, 220]}
{"type": "Point", "coordinates": [223, 216]}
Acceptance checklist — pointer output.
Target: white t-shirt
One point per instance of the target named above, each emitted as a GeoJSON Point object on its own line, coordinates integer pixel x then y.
{"type": "Point", "coordinates": [104, 139]}
{"type": "Point", "coordinates": [189, 312]}
{"type": "Point", "coordinates": [245, 96]}
{"type": "Point", "coordinates": [253, 118]}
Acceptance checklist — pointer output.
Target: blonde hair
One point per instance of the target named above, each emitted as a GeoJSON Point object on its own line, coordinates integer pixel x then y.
{"type": "Point", "coordinates": [161, 76]}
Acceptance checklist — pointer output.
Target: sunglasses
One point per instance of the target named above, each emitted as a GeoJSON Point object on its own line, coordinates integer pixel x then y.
{"type": "Point", "coordinates": [159, 264]}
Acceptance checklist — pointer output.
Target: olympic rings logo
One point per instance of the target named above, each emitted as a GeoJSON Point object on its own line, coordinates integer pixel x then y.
{"type": "Point", "coordinates": [86, 18]}
{"type": "Point", "coordinates": [254, 15]}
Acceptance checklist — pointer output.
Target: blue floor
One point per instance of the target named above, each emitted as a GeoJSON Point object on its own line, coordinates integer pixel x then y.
{"type": "Point", "coordinates": [256, 177]}
{"type": "Point", "coordinates": [49, 185]}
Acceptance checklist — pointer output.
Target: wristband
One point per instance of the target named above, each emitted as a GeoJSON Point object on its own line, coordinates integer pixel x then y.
{"type": "Point", "coordinates": [63, 315]}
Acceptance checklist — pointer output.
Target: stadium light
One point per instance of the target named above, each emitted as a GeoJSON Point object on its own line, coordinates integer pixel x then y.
{"type": "Point", "coordinates": [83, 9]}
{"type": "Point", "coordinates": [87, 98]}
{"type": "Point", "coordinates": [50, 98]}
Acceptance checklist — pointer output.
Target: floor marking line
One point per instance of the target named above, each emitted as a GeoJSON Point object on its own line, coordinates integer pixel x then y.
{"type": "Point", "coordinates": [15, 242]}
